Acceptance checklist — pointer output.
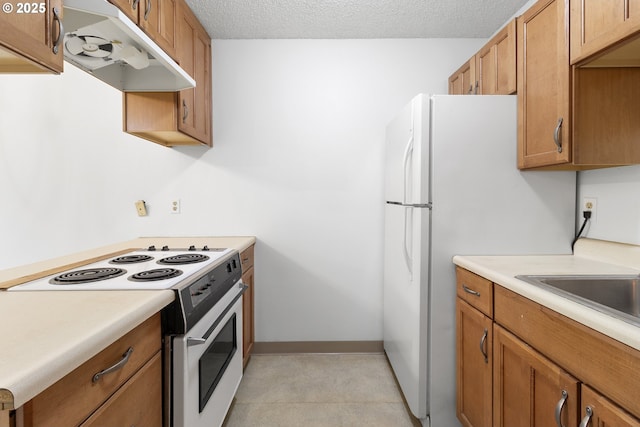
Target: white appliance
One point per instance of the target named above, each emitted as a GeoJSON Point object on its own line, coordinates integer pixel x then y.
{"type": "Point", "coordinates": [452, 187]}
{"type": "Point", "coordinates": [101, 40]}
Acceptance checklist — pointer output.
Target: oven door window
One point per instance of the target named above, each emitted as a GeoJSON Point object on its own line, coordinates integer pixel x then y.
{"type": "Point", "coordinates": [215, 360]}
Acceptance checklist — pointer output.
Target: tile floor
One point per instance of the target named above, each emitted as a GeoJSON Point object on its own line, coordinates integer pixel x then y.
{"type": "Point", "coordinates": [319, 390]}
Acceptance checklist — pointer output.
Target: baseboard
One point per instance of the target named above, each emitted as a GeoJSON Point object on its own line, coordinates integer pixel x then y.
{"type": "Point", "coordinates": [318, 347]}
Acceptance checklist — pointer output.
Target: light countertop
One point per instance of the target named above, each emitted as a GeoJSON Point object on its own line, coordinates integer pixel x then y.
{"type": "Point", "coordinates": [590, 257]}
{"type": "Point", "coordinates": [47, 334]}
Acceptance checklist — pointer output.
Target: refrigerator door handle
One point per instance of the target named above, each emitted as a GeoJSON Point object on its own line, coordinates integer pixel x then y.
{"type": "Point", "coordinates": [408, 231]}
{"type": "Point", "coordinates": [408, 151]}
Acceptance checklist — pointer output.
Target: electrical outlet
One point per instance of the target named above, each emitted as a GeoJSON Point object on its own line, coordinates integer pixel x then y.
{"type": "Point", "coordinates": [175, 206]}
{"type": "Point", "coordinates": [590, 204]}
{"type": "Point", "coordinates": [141, 207]}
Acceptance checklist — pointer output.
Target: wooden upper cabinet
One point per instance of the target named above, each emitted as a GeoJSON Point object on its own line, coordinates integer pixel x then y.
{"type": "Point", "coordinates": [156, 17]}
{"type": "Point", "coordinates": [599, 24]}
{"type": "Point", "coordinates": [463, 81]}
{"type": "Point", "coordinates": [496, 63]}
{"type": "Point", "coordinates": [31, 39]}
{"type": "Point", "coordinates": [543, 79]}
{"type": "Point", "coordinates": [158, 20]}
{"type": "Point", "coordinates": [194, 56]}
{"type": "Point", "coordinates": [177, 118]}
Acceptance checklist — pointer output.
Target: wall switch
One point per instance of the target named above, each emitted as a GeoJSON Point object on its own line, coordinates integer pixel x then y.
{"type": "Point", "coordinates": [141, 207]}
{"type": "Point", "coordinates": [175, 206]}
{"type": "Point", "coordinates": [590, 204]}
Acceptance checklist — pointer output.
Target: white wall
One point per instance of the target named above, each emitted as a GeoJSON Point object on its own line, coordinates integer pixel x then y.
{"type": "Point", "coordinates": [298, 132]}
{"type": "Point", "coordinates": [617, 194]}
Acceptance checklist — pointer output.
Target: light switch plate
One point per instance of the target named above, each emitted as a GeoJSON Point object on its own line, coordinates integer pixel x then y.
{"type": "Point", "coordinates": [141, 207]}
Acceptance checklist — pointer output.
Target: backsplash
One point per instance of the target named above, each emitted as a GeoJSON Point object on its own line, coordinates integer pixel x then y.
{"type": "Point", "coordinates": [617, 194]}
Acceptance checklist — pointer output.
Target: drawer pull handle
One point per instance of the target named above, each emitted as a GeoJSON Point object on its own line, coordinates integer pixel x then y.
{"type": "Point", "coordinates": [470, 291]}
{"type": "Point", "coordinates": [245, 259]}
{"type": "Point", "coordinates": [119, 365]}
{"type": "Point", "coordinates": [483, 341]}
{"type": "Point", "coordinates": [560, 406]}
{"type": "Point", "coordinates": [147, 10]}
{"type": "Point", "coordinates": [587, 418]}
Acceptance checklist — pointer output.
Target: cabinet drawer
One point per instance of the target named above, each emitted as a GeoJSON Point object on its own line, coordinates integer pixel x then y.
{"type": "Point", "coordinates": [475, 290]}
{"type": "Point", "coordinates": [137, 403]}
{"type": "Point", "coordinates": [246, 259]}
{"type": "Point", "coordinates": [72, 399]}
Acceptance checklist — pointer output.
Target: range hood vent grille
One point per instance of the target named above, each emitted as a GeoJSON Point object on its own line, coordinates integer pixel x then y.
{"type": "Point", "coordinates": [104, 42]}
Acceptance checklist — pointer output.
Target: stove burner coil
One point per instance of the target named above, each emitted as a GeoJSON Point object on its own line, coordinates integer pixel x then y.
{"type": "Point", "coordinates": [183, 259]}
{"type": "Point", "coordinates": [155, 274]}
{"type": "Point", "coordinates": [131, 259]}
{"type": "Point", "coordinates": [86, 276]}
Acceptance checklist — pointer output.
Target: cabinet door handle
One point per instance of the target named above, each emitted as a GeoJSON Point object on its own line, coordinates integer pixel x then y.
{"type": "Point", "coordinates": [557, 136]}
{"type": "Point", "coordinates": [560, 406]}
{"type": "Point", "coordinates": [119, 365]}
{"type": "Point", "coordinates": [147, 10]}
{"type": "Point", "coordinates": [58, 40]}
{"type": "Point", "coordinates": [185, 110]}
{"type": "Point", "coordinates": [483, 341]}
{"type": "Point", "coordinates": [587, 418]}
{"type": "Point", "coordinates": [134, 5]}
{"type": "Point", "coordinates": [470, 88]}
{"type": "Point", "coordinates": [470, 291]}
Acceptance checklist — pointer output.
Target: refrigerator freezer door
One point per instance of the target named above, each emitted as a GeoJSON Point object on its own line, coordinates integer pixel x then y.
{"type": "Point", "coordinates": [405, 294]}
{"type": "Point", "coordinates": [406, 164]}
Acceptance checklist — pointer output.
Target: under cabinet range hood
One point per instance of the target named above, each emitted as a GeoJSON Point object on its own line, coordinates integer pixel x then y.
{"type": "Point", "coordinates": [101, 40]}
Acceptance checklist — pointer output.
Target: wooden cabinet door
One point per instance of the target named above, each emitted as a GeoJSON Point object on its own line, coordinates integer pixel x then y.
{"type": "Point", "coordinates": [528, 388]}
{"type": "Point", "coordinates": [543, 79]}
{"type": "Point", "coordinates": [598, 411]}
{"type": "Point", "coordinates": [463, 81]}
{"type": "Point", "coordinates": [487, 72]}
{"type": "Point", "coordinates": [598, 24]}
{"type": "Point", "coordinates": [194, 56]}
{"type": "Point", "coordinates": [248, 330]}
{"type": "Point", "coordinates": [474, 366]}
{"type": "Point", "coordinates": [131, 8]}
{"type": "Point", "coordinates": [158, 20]}
{"type": "Point", "coordinates": [137, 403]}
{"type": "Point", "coordinates": [30, 37]}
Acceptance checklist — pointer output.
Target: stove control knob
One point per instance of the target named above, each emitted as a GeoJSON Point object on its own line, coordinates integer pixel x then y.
{"type": "Point", "coordinates": [192, 248]}
{"type": "Point", "coordinates": [228, 268]}
{"type": "Point", "coordinates": [165, 248]}
{"type": "Point", "coordinates": [151, 248]}
{"type": "Point", "coordinates": [205, 248]}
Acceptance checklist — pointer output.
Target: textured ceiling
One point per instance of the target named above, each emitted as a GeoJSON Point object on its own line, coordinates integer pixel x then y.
{"type": "Point", "coordinates": [352, 19]}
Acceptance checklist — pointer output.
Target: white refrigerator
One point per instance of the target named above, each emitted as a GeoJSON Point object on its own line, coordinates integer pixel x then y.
{"type": "Point", "coordinates": [452, 187]}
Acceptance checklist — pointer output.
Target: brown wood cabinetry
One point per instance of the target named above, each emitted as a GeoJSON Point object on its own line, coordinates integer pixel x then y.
{"type": "Point", "coordinates": [542, 365]}
{"type": "Point", "coordinates": [80, 395]}
{"type": "Point", "coordinates": [463, 81]}
{"type": "Point", "coordinates": [474, 354]}
{"type": "Point", "coordinates": [528, 387]}
{"type": "Point", "coordinates": [496, 63]}
{"type": "Point", "coordinates": [597, 25]}
{"type": "Point", "coordinates": [177, 118]}
{"type": "Point", "coordinates": [32, 42]}
{"type": "Point", "coordinates": [156, 17]}
{"type": "Point", "coordinates": [248, 322]}
{"type": "Point", "coordinates": [543, 85]}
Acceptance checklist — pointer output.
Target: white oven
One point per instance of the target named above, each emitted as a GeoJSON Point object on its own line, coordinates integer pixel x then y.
{"type": "Point", "coordinates": [207, 365]}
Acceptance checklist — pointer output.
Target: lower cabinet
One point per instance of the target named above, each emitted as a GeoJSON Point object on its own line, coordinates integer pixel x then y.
{"type": "Point", "coordinates": [474, 366]}
{"type": "Point", "coordinates": [248, 323]}
{"type": "Point", "coordinates": [528, 389]}
{"type": "Point", "coordinates": [120, 386]}
{"type": "Point", "coordinates": [520, 364]}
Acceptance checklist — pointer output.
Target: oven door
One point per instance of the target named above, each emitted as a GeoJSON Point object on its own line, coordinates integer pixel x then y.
{"type": "Point", "coordinates": [207, 366]}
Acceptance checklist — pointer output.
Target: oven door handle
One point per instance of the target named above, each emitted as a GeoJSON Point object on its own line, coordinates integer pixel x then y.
{"type": "Point", "coordinates": [191, 341]}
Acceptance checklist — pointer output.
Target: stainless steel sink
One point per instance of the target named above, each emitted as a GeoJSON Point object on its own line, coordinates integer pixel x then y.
{"type": "Point", "coordinates": [616, 295]}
